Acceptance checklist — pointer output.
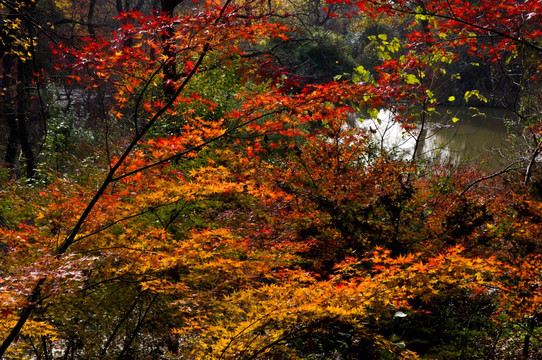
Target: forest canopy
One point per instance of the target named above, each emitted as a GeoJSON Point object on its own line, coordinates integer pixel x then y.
{"type": "Point", "coordinates": [194, 180]}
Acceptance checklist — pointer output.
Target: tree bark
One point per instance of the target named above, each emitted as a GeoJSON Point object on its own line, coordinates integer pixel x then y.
{"type": "Point", "coordinates": [90, 18]}
{"type": "Point", "coordinates": [170, 68]}
{"type": "Point", "coordinates": [13, 105]}
{"type": "Point", "coordinates": [24, 72]}
{"type": "Point", "coordinates": [9, 112]}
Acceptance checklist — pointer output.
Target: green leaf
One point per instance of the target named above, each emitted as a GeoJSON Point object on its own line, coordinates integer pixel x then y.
{"type": "Point", "coordinates": [411, 79]}
{"type": "Point", "coordinates": [362, 73]}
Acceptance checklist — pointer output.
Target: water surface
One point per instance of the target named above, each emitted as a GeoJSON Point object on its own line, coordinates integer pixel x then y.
{"type": "Point", "coordinates": [477, 136]}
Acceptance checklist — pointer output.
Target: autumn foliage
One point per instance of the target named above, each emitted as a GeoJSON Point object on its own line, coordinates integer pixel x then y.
{"type": "Point", "coordinates": [230, 210]}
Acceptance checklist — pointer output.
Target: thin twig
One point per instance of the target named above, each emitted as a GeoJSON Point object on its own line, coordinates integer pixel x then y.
{"type": "Point", "coordinates": [506, 169]}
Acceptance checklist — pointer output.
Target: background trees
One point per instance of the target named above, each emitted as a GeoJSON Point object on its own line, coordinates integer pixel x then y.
{"type": "Point", "coordinates": [201, 194]}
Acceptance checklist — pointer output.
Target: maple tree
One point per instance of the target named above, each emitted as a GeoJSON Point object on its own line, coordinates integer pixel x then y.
{"type": "Point", "coordinates": [235, 214]}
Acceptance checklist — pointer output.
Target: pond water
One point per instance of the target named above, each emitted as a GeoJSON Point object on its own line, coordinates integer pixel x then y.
{"type": "Point", "coordinates": [479, 137]}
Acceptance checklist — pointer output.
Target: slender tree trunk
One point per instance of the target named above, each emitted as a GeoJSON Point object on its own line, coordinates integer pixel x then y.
{"type": "Point", "coordinates": [8, 111]}
{"type": "Point", "coordinates": [526, 342]}
{"type": "Point", "coordinates": [90, 18]}
{"type": "Point", "coordinates": [532, 163]}
{"type": "Point", "coordinates": [45, 349]}
{"type": "Point", "coordinates": [140, 323]}
{"type": "Point", "coordinates": [420, 138]}
{"type": "Point", "coordinates": [23, 74]}
{"type": "Point", "coordinates": [23, 317]}
{"type": "Point", "coordinates": [119, 324]}
{"type": "Point", "coordinates": [527, 339]}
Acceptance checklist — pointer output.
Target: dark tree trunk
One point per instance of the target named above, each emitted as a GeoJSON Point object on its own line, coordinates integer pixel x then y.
{"type": "Point", "coordinates": [90, 18]}
{"type": "Point", "coordinates": [170, 68]}
{"type": "Point", "coordinates": [169, 5]}
{"type": "Point", "coordinates": [15, 96]}
{"type": "Point", "coordinates": [14, 113]}
{"type": "Point", "coordinates": [23, 74]}
{"type": "Point", "coordinates": [8, 112]}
